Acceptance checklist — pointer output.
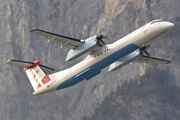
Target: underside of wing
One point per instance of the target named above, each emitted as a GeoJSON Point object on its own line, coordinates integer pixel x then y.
{"type": "Point", "coordinates": [147, 59]}
{"type": "Point", "coordinates": [59, 39]}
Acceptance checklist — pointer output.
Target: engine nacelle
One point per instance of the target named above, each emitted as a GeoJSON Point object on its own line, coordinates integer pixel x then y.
{"type": "Point", "coordinates": [88, 45]}
{"type": "Point", "coordinates": [125, 60]}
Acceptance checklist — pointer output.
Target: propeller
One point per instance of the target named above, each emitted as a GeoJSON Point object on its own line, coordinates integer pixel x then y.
{"type": "Point", "coordinates": [99, 39]}
{"type": "Point", "coordinates": [143, 50]}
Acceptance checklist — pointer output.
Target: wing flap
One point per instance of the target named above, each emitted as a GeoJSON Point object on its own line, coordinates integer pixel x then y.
{"type": "Point", "coordinates": [146, 59]}
{"type": "Point", "coordinates": [59, 39]}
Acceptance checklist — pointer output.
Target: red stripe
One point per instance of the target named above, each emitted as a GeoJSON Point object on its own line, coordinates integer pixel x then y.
{"type": "Point", "coordinates": [45, 79]}
{"type": "Point", "coordinates": [25, 69]}
{"type": "Point", "coordinates": [38, 86]}
{"type": "Point", "coordinates": [143, 27]}
{"type": "Point", "coordinates": [169, 62]}
{"type": "Point", "coordinates": [36, 62]}
{"type": "Point", "coordinates": [32, 29]}
{"type": "Point", "coordinates": [33, 66]}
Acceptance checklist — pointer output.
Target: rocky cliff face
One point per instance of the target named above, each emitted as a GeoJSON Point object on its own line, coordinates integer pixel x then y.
{"type": "Point", "coordinates": [136, 91]}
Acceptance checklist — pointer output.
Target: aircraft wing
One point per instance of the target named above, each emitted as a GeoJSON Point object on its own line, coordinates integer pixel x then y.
{"type": "Point", "coordinates": [147, 59]}
{"type": "Point", "coordinates": [59, 39]}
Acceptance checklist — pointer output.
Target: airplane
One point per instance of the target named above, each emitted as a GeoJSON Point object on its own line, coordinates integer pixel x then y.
{"type": "Point", "coordinates": [131, 48]}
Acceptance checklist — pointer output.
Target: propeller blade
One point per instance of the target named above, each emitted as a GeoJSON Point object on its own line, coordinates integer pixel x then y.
{"type": "Point", "coordinates": [146, 52]}
{"type": "Point", "coordinates": [99, 38]}
{"type": "Point", "coordinates": [103, 42]}
{"type": "Point", "coordinates": [143, 50]}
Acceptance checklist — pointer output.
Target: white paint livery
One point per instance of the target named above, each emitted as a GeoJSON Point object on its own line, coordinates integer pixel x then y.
{"type": "Point", "coordinates": [126, 50]}
{"type": "Point", "coordinates": [35, 76]}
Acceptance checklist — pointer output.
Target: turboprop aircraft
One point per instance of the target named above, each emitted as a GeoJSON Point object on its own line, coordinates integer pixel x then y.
{"type": "Point", "coordinates": [131, 48]}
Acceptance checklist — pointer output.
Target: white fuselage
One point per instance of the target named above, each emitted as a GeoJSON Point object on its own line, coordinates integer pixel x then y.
{"type": "Point", "coordinates": [105, 56]}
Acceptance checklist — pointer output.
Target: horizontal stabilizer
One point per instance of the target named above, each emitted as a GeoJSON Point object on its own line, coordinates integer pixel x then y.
{"type": "Point", "coordinates": [147, 59]}
{"type": "Point", "coordinates": [25, 64]}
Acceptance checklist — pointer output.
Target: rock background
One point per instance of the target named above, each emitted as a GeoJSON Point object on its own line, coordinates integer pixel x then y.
{"type": "Point", "coordinates": [136, 91]}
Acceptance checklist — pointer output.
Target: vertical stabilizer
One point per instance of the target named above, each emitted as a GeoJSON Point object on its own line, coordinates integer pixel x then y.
{"type": "Point", "coordinates": [35, 72]}
{"type": "Point", "coordinates": [36, 75]}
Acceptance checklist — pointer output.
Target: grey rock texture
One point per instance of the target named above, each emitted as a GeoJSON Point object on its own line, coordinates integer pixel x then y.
{"type": "Point", "coordinates": [136, 91]}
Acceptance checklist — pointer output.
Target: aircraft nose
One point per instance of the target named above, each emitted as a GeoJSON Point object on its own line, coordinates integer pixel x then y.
{"type": "Point", "coordinates": [169, 25]}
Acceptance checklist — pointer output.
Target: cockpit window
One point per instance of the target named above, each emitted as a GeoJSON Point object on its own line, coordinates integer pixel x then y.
{"type": "Point", "coordinates": [155, 21]}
